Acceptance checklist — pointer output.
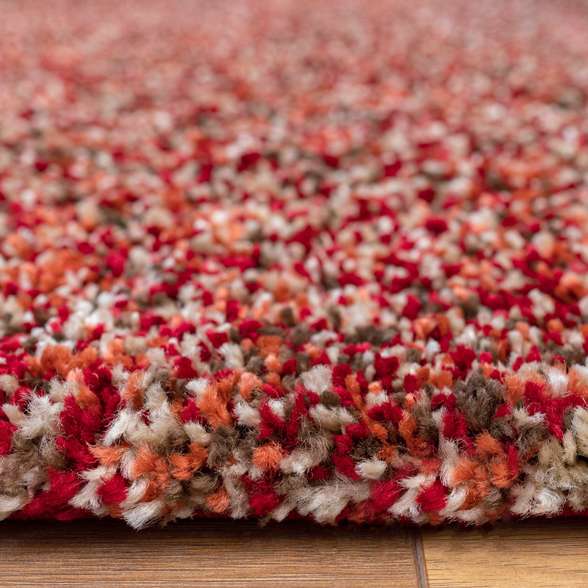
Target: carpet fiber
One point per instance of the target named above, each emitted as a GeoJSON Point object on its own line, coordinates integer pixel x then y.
{"type": "Point", "coordinates": [293, 259]}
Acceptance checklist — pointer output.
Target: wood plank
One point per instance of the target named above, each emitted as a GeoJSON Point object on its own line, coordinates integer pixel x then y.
{"type": "Point", "coordinates": [203, 553]}
{"type": "Point", "coordinates": [548, 554]}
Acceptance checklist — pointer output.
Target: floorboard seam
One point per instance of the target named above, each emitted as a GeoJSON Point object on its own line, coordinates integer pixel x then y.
{"type": "Point", "coordinates": [419, 560]}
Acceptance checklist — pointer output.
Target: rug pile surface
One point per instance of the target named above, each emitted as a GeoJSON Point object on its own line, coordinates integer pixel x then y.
{"type": "Point", "coordinates": [284, 259]}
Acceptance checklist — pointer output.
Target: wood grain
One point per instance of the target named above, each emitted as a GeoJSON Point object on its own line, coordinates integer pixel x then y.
{"type": "Point", "coordinates": [550, 554]}
{"type": "Point", "coordinates": [203, 553]}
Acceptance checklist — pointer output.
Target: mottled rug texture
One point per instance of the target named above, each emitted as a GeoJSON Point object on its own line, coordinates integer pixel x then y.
{"type": "Point", "coordinates": [294, 259]}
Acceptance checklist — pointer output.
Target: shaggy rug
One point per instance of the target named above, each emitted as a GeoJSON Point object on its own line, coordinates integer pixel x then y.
{"type": "Point", "coordinates": [279, 259]}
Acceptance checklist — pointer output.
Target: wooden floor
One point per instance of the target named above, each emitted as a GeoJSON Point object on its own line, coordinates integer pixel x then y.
{"type": "Point", "coordinates": [107, 554]}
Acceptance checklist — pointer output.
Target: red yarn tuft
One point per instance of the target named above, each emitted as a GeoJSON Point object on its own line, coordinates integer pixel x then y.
{"type": "Point", "coordinates": [113, 491]}
{"type": "Point", "coordinates": [433, 498]}
{"type": "Point", "coordinates": [385, 494]}
{"type": "Point", "coordinates": [6, 432]}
